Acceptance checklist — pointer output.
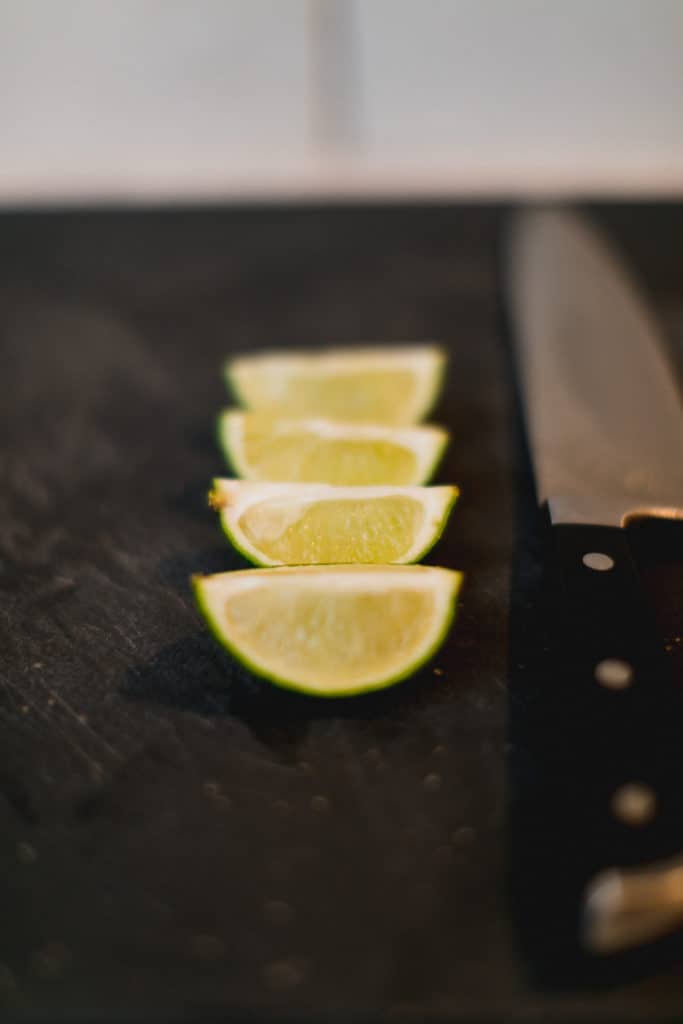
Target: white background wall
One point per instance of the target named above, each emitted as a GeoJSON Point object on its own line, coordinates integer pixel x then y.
{"type": "Point", "coordinates": [241, 98]}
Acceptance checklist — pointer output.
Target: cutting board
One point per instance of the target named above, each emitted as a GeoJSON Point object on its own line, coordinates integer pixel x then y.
{"type": "Point", "coordinates": [177, 838]}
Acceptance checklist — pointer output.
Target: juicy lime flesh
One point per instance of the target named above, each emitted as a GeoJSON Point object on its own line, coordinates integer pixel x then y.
{"type": "Point", "coordinates": [300, 457]}
{"type": "Point", "coordinates": [377, 396]}
{"type": "Point", "coordinates": [349, 530]}
{"type": "Point", "coordinates": [331, 641]}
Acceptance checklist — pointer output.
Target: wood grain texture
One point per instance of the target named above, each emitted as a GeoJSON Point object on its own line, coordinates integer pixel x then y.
{"type": "Point", "coordinates": [178, 838]}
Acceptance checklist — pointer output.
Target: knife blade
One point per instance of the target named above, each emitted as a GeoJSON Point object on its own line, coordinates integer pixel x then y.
{"type": "Point", "coordinates": [604, 728]}
{"type": "Point", "coordinates": [604, 413]}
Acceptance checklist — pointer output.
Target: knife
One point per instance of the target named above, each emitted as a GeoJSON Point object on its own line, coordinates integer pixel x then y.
{"type": "Point", "coordinates": [601, 800]}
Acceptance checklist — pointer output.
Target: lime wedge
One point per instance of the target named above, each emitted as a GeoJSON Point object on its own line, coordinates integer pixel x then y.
{"type": "Point", "coordinates": [381, 385]}
{"type": "Point", "coordinates": [331, 631]}
{"type": "Point", "coordinates": [313, 524]}
{"type": "Point", "coordinates": [328, 451]}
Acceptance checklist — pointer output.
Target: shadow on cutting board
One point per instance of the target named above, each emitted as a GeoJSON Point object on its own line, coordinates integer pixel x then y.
{"type": "Point", "coordinates": [197, 676]}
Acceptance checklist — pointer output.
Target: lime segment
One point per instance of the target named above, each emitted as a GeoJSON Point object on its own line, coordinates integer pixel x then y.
{"type": "Point", "coordinates": [309, 524]}
{"type": "Point", "coordinates": [396, 385]}
{"type": "Point", "coordinates": [328, 451]}
{"type": "Point", "coordinates": [331, 630]}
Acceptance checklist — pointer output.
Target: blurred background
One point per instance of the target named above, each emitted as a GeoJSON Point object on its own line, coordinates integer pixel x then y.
{"type": "Point", "coordinates": [107, 100]}
{"type": "Point", "coordinates": [175, 839]}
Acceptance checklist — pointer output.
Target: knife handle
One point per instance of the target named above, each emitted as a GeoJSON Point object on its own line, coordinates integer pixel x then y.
{"type": "Point", "coordinates": [598, 780]}
{"type": "Point", "coordinates": [614, 670]}
{"type": "Point", "coordinates": [623, 710]}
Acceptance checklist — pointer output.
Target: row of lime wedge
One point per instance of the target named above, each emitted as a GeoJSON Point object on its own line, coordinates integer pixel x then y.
{"type": "Point", "coordinates": [332, 467]}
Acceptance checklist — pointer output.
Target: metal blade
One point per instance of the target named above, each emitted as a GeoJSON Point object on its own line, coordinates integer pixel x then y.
{"type": "Point", "coordinates": [603, 410]}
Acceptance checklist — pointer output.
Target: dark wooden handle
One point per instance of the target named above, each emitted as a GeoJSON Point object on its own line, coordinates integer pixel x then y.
{"type": "Point", "coordinates": [623, 710]}
{"type": "Point", "coordinates": [598, 783]}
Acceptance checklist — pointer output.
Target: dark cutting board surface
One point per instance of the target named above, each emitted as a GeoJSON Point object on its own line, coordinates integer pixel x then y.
{"type": "Point", "coordinates": [177, 839]}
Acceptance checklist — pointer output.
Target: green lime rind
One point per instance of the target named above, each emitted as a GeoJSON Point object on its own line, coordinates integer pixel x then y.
{"type": "Point", "coordinates": [438, 533]}
{"type": "Point", "coordinates": [439, 453]}
{"type": "Point", "coordinates": [437, 389]}
{"type": "Point", "coordinates": [248, 555]}
{"type": "Point", "coordinates": [222, 436]}
{"type": "Point", "coordinates": [292, 686]}
{"type": "Point", "coordinates": [231, 536]}
{"type": "Point", "coordinates": [253, 557]}
{"type": "Point", "coordinates": [231, 383]}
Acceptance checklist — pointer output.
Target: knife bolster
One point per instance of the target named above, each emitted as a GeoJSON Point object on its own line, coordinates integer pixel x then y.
{"type": "Point", "coordinates": [615, 511]}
